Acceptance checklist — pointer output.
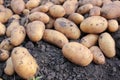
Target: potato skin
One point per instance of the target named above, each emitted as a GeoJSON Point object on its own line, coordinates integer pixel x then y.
{"type": "Point", "coordinates": [113, 25]}
{"type": "Point", "coordinates": [89, 40]}
{"type": "Point", "coordinates": [2, 29]}
{"type": "Point", "coordinates": [35, 30]}
{"type": "Point", "coordinates": [55, 37]}
{"type": "Point", "coordinates": [95, 11]}
{"type": "Point", "coordinates": [1, 2]}
{"type": "Point", "coordinates": [23, 61]}
{"type": "Point", "coordinates": [4, 55]}
{"type": "Point", "coordinates": [50, 24]}
{"type": "Point", "coordinates": [107, 45]}
{"type": "Point", "coordinates": [98, 56]}
{"type": "Point", "coordinates": [77, 53]}
{"type": "Point", "coordinates": [94, 24]}
{"type": "Point", "coordinates": [67, 27]}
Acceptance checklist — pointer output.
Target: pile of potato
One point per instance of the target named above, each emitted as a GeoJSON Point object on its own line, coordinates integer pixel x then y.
{"type": "Point", "coordinates": [57, 22]}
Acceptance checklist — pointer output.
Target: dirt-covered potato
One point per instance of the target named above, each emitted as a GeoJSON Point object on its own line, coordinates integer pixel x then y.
{"type": "Point", "coordinates": [17, 6]}
{"type": "Point", "coordinates": [89, 40]}
{"type": "Point", "coordinates": [98, 56]}
{"type": "Point", "coordinates": [39, 16]}
{"type": "Point", "coordinates": [6, 44]}
{"type": "Point", "coordinates": [94, 24]}
{"type": "Point", "coordinates": [1, 2]}
{"type": "Point", "coordinates": [85, 8]}
{"type": "Point", "coordinates": [4, 55]}
{"type": "Point", "coordinates": [24, 64]}
{"type": "Point", "coordinates": [35, 30]}
{"type": "Point", "coordinates": [76, 18]}
{"type": "Point", "coordinates": [67, 27]}
{"type": "Point", "coordinates": [26, 12]}
{"type": "Point", "coordinates": [107, 44]}
{"type": "Point", "coordinates": [112, 25]}
{"type": "Point", "coordinates": [77, 53]}
{"type": "Point", "coordinates": [2, 29]}
{"type": "Point", "coordinates": [50, 24]}
{"type": "Point", "coordinates": [95, 11]}
{"type": "Point", "coordinates": [55, 37]}
{"type": "Point", "coordinates": [57, 11]}
{"type": "Point", "coordinates": [9, 68]}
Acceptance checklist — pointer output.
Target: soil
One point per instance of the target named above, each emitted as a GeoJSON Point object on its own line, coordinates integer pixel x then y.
{"type": "Point", "coordinates": [53, 66]}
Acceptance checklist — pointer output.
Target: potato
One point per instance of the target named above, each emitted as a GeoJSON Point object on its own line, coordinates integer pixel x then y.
{"type": "Point", "coordinates": [95, 11]}
{"type": "Point", "coordinates": [17, 6]}
{"type": "Point", "coordinates": [98, 56]}
{"type": "Point", "coordinates": [26, 12]}
{"type": "Point", "coordinates": [15, 16]}
{"type": "Point", "coordinates": [77, 53]}
{"type": "Point", "coordinates": [55, 37]}
{"type": "Point", "coordinates": [70, 6]}
{"type": "Point", "coordinates": [113, 25]}
{"type": "Point", "coordinates": [35, 30]}
{"type": "Point", "coordinates": [6, 44]}
{"type": "Point", "coordinates": [17, 35]}
{"type": "Point", "coordinates": [9, 68]}
{"type": "Point", "coordinates": [39, 16]}
{"type": "Point", "coordinates": [67, 27]}
{"type": "Point", "coordinates": [76, 18]}
{"type": "Point", "coordinates": [24, 64]}
{"type": "Point", "coordinates": [9, 13]}
{"type": "Point", "coordinates": [2, 29]}
{"type": "Point", "coordinates": [32, 4]}
{"type": "Point", "coordinates": [85, 8]}
{"type": "Point", "coordinates": [1, 2]}
{"type": "Point", "coordinates": [4, 55]}
{"type": "Point", "coordinates": [50, 24]}
{"type": "Point", "coordinates": [107, 45]}
{"type": "Point", "coordinates": [57, 11]}
{"type": "Point", "coordinates": [89, 40]}
{"type": "Point", "coordinates": [94, 24]}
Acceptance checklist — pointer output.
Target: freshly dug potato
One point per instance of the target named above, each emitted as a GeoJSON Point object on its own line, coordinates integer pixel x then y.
{"type": "Point", "coordinates": [2, 29]}
{"type": "Point", "coordinates": [94, 24]}
{"type": "Point", "coordinates": [89, 40]}
{"type": "Point", "coordinates": [17, 35]}
{"type": "Point", "coordinates": [85, 8]}
{"type": "Point", "coordinates": [77, 53]}
{"type": "Point", "coordinates": [95, 11]}
{"type": "Point", "coordinates": [8, 12]}
{"type": "Point", "coordinates": [15, 16]}
{"type": "Point", "coordinates": [70, 6]}
{"type": "Point", "coordinates": [24, 64]}
{"type": "Point", "coordinates": [35, 30]}
{"type": "Point", "coordinates": [55, 37]}
{"type": "Point", "coordinates": [26, 12]}
{"type": "Point", "coordinates": [67, 27]}
{"type": "Point", "coordinates": [50, 24]}
{"type": "Point", "coordinates": [98, 56]}
{"type": "Point", "coordinates": [113, 25]}
{"type": "Point", "coordinates": [39, 16]}
{"type": "Point", "coordinates": [9, 68]}
{"type": "Point", "coordinates": [57, 11]}
{"type": "Point", "coordinates": [76, 18]}
{"type": "Point", "coordinates": [6, 44]}
{"type": "Point", "coordinates": [4, 55]}
{"type": "Point", "coordinates": [107, 45]}
{"type": "Point", "coordinates": [1, 2]}
{"type": "Point", "coordinates": [17, 6]}
{"type": "Point", "coordinates": [32, 4]}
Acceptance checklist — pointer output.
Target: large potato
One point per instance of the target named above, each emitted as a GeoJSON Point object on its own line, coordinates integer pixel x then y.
{"type": "Point", "coordinates": [39, 16]}
{"type": "Point", "coordinates": [2, 29]}
{"type": "Point", "coordinates": [4, 55]}
{"type": "Point", "coordinates": [55, 37]}
{"type": "Point", "coordinates": [35, 30]}
{"type": "Point", "coordinates": [94, 24]}
{"type": "Point", "coordinates": [89, 40]}
{"type": "Point", "coordinates": [95, 11]}
{"type": "Point", "coordinates": [67, 27]}
{"type": "Point", "coordinates": [107, 45]}
{"type": "Point", "coordinates": [113, 25]}
{"type": "Point", "coordinates": [24, 64]}
{"type": "Point", "coordinates": [77, 53]}
{"type": "Point", "coordinates": [98, 56]}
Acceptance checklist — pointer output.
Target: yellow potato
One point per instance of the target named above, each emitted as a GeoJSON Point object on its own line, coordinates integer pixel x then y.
{"type": "Point", "coordinates": [2, 29]}
{"type": "Point", "coordinates": [77, 53]}
{"type": "Point", "coordinates": [4, 55]}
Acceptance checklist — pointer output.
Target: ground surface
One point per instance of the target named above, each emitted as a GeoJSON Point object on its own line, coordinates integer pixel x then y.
{"type": "Point", "coordinates": [53, 66]}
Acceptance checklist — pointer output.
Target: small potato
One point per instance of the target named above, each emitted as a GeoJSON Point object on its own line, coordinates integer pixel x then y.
{"type": "Point", "coordinates": [2, 29]}
{"type": "Point", "coordinates": [113, 25]}
{"type": "Point", "coordinates": [39, 16]}
{"type": "Point", "coordinates": [76, 18]}
{"type": "Point", "coordinates": [35, 30]}
{"type": "Point", "coordinates": [98, 56]}
{"type": "Point", "coordinates": [77, 53]}
{"type": "Point", "coordinates": [1, 2]}
{"type": "Point", "coordinates": [24, 63]}
{"type": "Point", "coordinates": [55, 37]}
{"type": "Point", "coordinates": [26, 12]}
{"type": "Point", "coordinates": [50, 24]}
{"type": "Point", "coordinates": [17, 6]}
{"type": "Point", "coordinates": [85, 8]}
{"type": "Point", "coordinates": [4, 55]}
{"type": "Point", "coordinates": [107, 45]}
{"type": "Point", "coordinates": [9, 68]}
{"type": "Point", "coordinates": [95, 11]}
{"type": "Point", "coordinates": [94, 24]}
{"type": "Point", "coordinates": [57, 11]}
{"type": "Point", "coordinates": [89, 40]}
